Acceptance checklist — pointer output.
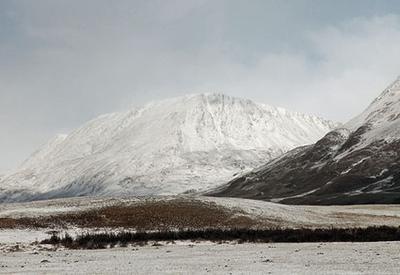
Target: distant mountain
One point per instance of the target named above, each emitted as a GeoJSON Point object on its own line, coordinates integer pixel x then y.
{"type": "Point", "coordinates": [173, 146]}
{"type": "Point", "coordinates": [358, 164]}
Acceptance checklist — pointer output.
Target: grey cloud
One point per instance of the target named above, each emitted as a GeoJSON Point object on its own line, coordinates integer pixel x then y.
{"type": "Point", "coordinates": [63, 62]}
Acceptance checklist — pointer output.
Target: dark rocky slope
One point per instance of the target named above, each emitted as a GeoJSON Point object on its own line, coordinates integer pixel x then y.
{"type": "Point", "coordinates": [359, 164]}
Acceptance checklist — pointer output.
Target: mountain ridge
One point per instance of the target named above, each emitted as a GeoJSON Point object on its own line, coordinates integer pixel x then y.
{"type": "Point", "coordinates": [166, 147]}
{"type": "Point", "coordinates": [357, 164]}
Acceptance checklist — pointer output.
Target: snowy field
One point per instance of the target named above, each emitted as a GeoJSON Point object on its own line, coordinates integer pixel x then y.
{"type": "Point", "coordinates": [203, 258]}
{"type": "Point", "coordinates": [21, 253]}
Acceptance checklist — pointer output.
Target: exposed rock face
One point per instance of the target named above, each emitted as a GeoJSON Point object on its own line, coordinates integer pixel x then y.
{"type": "Point", "coordinates": [358, 164]}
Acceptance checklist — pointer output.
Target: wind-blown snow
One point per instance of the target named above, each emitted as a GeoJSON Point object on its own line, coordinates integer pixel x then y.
{"type": "Point", "coordinates": [382, 117]}
{"type": "Point", "coordinates": [168, 147]}
{"type": "Point", "coordinates": [384, 108]}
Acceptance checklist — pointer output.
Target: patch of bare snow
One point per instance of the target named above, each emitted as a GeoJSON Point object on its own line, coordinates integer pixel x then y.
{"type": "Point", "coordinates": [197, 258]}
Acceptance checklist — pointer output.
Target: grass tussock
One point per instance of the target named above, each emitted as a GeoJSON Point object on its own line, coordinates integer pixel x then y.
{"type": "Point", "coordinates": [104, 240]}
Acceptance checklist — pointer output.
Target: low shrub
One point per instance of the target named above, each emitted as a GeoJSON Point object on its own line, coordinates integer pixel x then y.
{"type": "Point", "coordinates": [103, 240]}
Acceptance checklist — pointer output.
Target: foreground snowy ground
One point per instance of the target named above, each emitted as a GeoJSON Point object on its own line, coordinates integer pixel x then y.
{"type": "Point", "coordinates": [21, 253]}
{"type": "Point", "coordinates": [201, 258]}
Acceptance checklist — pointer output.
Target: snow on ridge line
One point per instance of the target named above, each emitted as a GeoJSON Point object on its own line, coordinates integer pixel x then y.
{"type": "Point", "coordinates": [167, 147]}
{"type": "Point", "coordinates": [386, 107]}
{"type": "Point", "coordinates": [136, 113]}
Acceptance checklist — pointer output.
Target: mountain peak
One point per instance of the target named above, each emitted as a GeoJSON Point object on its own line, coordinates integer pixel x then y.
{"type": "Point", "coordinates": [383, 110]}
{"type": "Point", "coordinates": [392, 90]}
{"type": "Point", "coordinates": [395, 85]}
{"type": "Point", "coordinates": [167, 147]}
{"type": "Point", "coordinates": [210, 97]}
{"type": "Point", "coordinates": [356, 165]}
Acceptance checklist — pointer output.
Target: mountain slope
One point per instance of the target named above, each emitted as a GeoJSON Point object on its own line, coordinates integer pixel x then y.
{"type": "Point", "coordinates": [168, 147]}
{"type": "Point", "coordinates": [357, 164]}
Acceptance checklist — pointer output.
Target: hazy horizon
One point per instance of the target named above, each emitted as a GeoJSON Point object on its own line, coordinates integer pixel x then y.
{"type": "Point", "coordinates": [64, 62]}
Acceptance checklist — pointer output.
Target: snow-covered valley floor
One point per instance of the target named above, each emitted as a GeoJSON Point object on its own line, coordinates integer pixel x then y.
{"type": "Point", "coordinates": [203, 258]}
{"type": "Point", "coordinates": [20, 251]}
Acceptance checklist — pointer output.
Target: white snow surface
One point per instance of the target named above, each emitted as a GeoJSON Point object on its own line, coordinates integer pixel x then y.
{"type": "Point", "coordinates": [18, 253]}
{"type": "Point", "coordinates": [193, 142]}
{"type": "Point", "coordinates": [382, 117]}
{"type": "Point", "coordinates": [210, 258]}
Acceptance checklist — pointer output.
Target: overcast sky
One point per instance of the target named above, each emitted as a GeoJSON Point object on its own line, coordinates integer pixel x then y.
{"type": "Point", "coordinates": [65, 62]}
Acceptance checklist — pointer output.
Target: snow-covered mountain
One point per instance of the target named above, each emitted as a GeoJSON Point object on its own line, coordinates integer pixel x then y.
{"type": "Point", "coordinates": [357, 164]}
{"type": "Point", "coordinates": [177, 145]}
